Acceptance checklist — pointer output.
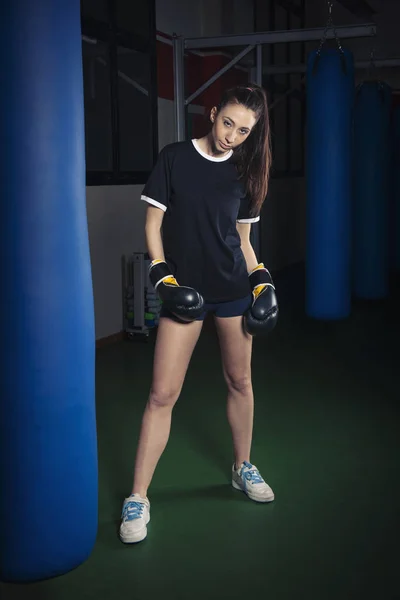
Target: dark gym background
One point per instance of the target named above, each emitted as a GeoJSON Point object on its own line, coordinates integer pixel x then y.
{"type": "Point", "coordinates": [326, 421]}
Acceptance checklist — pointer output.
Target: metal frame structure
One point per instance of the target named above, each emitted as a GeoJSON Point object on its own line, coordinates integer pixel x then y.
{"type": "Point", "coordinates": [251, 41]}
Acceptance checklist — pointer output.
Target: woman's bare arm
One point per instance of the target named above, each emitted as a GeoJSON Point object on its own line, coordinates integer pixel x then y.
{"type": "Point", "coordinates": [154, 219]}
{"type": "Point", "coordinates": [247, 249]}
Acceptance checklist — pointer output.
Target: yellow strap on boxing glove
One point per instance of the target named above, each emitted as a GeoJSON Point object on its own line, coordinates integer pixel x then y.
{"type": "Point", "coordinates": [167, 279]}
{"type": "Point", "coordinates": [261, 286]}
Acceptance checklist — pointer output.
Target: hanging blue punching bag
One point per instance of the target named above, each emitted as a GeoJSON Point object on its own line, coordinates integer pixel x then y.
{"type": "Point", "coordinates": [372, 148]}
{"type": "Point", "coordinates": [395, 263]}
{"type": "Point", "coordinates": [48, 445]}
{"type": "Point", "coordinates": [330, 93]}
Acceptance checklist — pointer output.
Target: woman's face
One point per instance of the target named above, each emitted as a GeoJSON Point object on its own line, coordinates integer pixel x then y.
{"type": "Point", "coordinates": [231, 126]}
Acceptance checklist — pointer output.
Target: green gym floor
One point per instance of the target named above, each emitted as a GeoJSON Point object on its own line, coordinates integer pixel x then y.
{"type": "Point", "coordinates": [326, 438]}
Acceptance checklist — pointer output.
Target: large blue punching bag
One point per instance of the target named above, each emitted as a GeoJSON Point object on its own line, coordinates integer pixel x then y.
{"type": "Point", "coordinates": [372, 149]}
{"type": "Point", "coordinates": [395, 230]}
{"type": "Point", "coordinates": [48, 444]}
{"type": "Point", "coordinates": [330, 94]}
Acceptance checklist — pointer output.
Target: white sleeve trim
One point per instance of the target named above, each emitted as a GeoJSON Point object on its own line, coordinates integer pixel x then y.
{"type": "Point", "coordinates": [153, 202]}
{"type": "Point", "coordinates": [254, 220]}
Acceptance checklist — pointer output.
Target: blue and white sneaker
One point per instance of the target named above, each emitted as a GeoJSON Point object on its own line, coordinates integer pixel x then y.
{"type": "Point", "coordinates": [248, 479]}
{"type": "Point", "coordinates": [135, 516]}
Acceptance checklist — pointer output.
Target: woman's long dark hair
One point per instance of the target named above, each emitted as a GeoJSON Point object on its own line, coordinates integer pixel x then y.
{"type": "Point", "coordinates": [253, 157]}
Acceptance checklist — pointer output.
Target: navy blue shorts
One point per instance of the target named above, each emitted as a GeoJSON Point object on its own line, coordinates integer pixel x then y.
{"type": "Point", "coordinates": [233, 308]}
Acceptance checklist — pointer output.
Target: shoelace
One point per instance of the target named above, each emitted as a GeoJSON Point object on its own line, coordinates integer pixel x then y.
{"type": "Point", "coordinates": [253, 476]}
{"type": "Point", "coordinates": [132, 510]}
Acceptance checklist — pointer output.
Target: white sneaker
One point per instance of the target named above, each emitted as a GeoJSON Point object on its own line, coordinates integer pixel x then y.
{"type": "Point", "coordinates": [248, 479]}
{"type": "Point", "coordinates": [135, 516]}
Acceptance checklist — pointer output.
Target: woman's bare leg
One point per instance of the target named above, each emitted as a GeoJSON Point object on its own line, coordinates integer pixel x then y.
{"type": "Point", "coordinates": [236, 349]}
{"type": "Point", "coordinates": [174, 348]}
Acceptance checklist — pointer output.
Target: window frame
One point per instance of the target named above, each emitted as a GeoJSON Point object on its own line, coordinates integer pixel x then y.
{"type": "Point", "coordinates": [114, 37]}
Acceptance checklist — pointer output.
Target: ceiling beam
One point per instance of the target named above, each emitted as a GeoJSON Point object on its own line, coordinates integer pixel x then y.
{"type": "Point", "coordinates": [276, 37]}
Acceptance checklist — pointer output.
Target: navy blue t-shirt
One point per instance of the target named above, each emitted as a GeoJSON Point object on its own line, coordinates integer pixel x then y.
{"type": "Point", "coordinates": [203, 200]}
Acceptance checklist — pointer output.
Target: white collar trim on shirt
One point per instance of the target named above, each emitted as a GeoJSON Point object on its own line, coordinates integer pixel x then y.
{"type": "Point", "coordinates": [207, 156]}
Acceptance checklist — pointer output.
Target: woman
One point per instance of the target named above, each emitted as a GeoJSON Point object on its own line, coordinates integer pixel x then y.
{"type": "Point", "coordinates": [204, 195]}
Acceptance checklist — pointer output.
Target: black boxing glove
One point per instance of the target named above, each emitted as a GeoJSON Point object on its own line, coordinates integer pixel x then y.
{"type": "Point", "coordinates": [182, 301]}
{"type": "Point", "coordinates": [262, 316]}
